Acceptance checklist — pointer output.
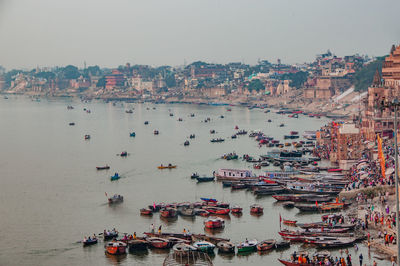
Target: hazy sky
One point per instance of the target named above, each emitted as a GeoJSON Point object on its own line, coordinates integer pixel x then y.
{"type": "Point", "coordinates": [158, 32]}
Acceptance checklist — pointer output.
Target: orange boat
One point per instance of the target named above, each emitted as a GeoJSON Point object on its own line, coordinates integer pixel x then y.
{"type": "Point", "coordinates": [157, 242]}
{"type": "Point", "coordinates": [116, 248]}
{"type": "Point", "coordinates": [256, 209]}
{"type": "Point", "coordinates": [216, 210]}
{"type": "Point", "coordinates": [166, 166]}
{"type": "Point", "coordinates": [145, 211]}
{"type": "Point", "coordinates": [266, 245]}
{"type": "Point", "coordinates": [236, 209]}
{"type": "Point", "coordinates": [214, 223]}
{"type": "Point", "coordinates": [289, 222]}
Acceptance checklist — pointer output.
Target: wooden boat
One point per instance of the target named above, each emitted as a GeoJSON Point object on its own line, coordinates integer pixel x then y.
{"type": "Point", "coordinates": [204, 246]}
{"type": "Point", "coordinates": [182, 248]}
{"type": "Point", "coordinates": [205, 178]}
{"type": "Point", "coordinates": [137, 244]}
{"type": "Point", "coordinates": [156, 242]}
{"type": "Point", "coordinates": [187, 212]}
{"type": "Point", "coordinates": [156, 132]}
{"type": "Point", "coordinates": [186, 143]}
{"type": "Point", "coordinates": [87, 137]}
{"type": "Point", "coordinates": [211, 239]}
{"type": "Point", "coordinates": [115, 199]}
{"type": "Point", "coordinates": [72, 124]}
{"type": "Point", "coordinates": [106, 167]}
{"type": "Point", "coordinates": [194, 175]}
{"type": "Point", "coordinates": [288, 204]}
{"type": "Point", "coordinates": [116, 176]}
{"type": "Point", "coordinates": [129, 111]}
{"type": "Point", "coordinates": [145, 211]}
{"type": "Point", "coordinates": [169, 166]}
{"type": "Point", "coordinates": [132, 134]}
{"type": "Point", "coordinates": [146, 122]}
{"type": "Point", "coordinates": [335, 243]}
{"type": "Point", "coordinates": [226, 247]}
{"type": "Point", "coordinates": [247, 246]}
{"type": "Point", "coordinates": [116, 248]}
{"type": "Point", "coordinates": [169, 213]}
{"type": "Point", "coordinates": [282, 244]}
{"type": "Point", "coordinates": [167, 235]}
{"type": "Point", "coordinates": [216, 210]}
{"type": "Point", "coordinates": [266, 245]}
{"type": "Point", "coordinates": [217, 140]}
{"type": "Point", "coordinates": [337, 228]}
{"type": "Point", "coordinates": [123, 154]}
{"type": "Point", "coordinates": [290, 263]}
{"type": "Point", "coordinates": [89, 242]}
{"type": "Point", "coordinates": [236, 209]}
{"type": "Point", "coordinates": [289, 222]}
{"type": "Point", "coordinates": [110, 235]}
{"type": "Point", "coordinates": [321, 207]}
{"type": "Point", "coordinates": [255, 208]}
{"type": "Point", "coordinates": [213, 223]}
{"type": "Point", "coordinates": [335, 170]}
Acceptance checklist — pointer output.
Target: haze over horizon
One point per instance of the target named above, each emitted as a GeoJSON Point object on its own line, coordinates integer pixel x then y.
{"type": "Point", "coordinates": [109, 33]}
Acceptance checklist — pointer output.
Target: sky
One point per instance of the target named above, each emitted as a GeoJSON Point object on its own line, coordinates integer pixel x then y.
{"type": "Point", "coordinates": [109, 33]}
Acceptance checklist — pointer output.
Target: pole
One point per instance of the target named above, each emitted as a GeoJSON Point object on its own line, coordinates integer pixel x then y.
{"type": "Point", "coordinates": [396, 151]}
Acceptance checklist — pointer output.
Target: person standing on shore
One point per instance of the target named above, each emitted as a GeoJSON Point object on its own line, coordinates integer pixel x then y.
{"type": "Point", "coordinates": [361, 259]}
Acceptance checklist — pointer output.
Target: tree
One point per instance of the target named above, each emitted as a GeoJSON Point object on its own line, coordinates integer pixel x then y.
{"type": "Point", "coordinates": [71, 72]}
{"type": "Point", "coordinates": [170, 80]}
{"type": "Point", "coordinates": [363, 78]}
{"type": "Point", "coordinates": [296, 79]}
{"type": "Point", "coordinates": [45, 75]}
{"type": "Point", "coordinates": [101, 83]}
{"type": "Point", "coordinates": [256, 85]}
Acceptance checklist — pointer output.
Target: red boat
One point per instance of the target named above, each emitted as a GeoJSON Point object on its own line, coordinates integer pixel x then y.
{"type": "Point", "coordinates": [116, 248]}
{"type": "Point", "coordinates": [169, 213]}
{"type": "Point", "coordinates": [157, 242]}
{"type": "Point", "coordinates": [216, 210]}
{"type": "Point", "coordinates": [256, 209]}
{"type": "Point", "coordinates": [294, 133]}
{"type": "Point", "coordinates": [214, 223]}
{"type": "Point", "coordinates": [289, 222]}
{"type": "Point", "coordinates": [146, 211]}
{"type": "Point", "coordinates": [289, 263]}
{"type": "Point", "coordinates": [335, 170]}
{"type": "Point", "coordinates": [266, 245]}
{"type": "Point", "coordinates": [236, 209]}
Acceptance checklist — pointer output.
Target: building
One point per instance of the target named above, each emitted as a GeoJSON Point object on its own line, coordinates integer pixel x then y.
{"type": "Point", "coordinates": [115, 79]}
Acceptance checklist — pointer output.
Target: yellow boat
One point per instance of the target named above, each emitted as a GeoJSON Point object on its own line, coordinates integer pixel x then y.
{"type": "Point", "coordinates": [166, 166]}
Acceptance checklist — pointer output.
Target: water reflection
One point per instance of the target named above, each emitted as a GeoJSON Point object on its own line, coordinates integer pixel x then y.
{"type": "Point", "coordinates": [115, 259]}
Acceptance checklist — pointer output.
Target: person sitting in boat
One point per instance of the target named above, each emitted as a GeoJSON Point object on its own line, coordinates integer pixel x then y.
{"type": "Point", "coordinates": [125, 238]}
{"type": "Point", "coordinates": [94, 236]}
{"type": "Point", "coordinates": [84, 239]}
{"type": "Point", "coordinates": [134, 235]}
{"type": "Point", "coordinates": [169, 165]}
{"type": "Point", "coordinates": [184, 231]}
{"type": "Point", "coordinates": [89, 238]}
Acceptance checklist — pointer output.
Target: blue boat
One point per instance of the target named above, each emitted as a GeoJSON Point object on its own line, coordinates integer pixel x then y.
{"type": "Point", "coordinates": [133, 134]}
{"type": "Point", "coordinates": [116, 176]}
{"type": "Point", "coordinates": [208, 199]}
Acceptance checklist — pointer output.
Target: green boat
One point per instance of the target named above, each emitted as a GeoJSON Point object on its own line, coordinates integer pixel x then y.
{"type": "Point", "coordinates": [247, 246]}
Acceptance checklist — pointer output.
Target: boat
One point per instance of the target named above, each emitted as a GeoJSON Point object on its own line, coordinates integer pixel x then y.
{"type": "Point", "coordinates": [234, 136]}
{"type": "Point", "coordinates": [213, 223]}
{"type": "Point", "coordinates": [234, 175]}
{"type": "Point", "coordinates": [187, 212]}
{"type": "Point", "coordinates": [115, 199]}
{"type": "Point", "coordinates": [166, 236]}
{"type": "Point", "coordinates": [146, 122]}
{"type": "Point", "coordinates": [109, 235]}
{"type": "Point", "coordinates": [130, 111]}
{"type": "Point", "coordinates": [169, 213]}
{"type": "Point", "coordinates": [145, 211]}
{"type": "Point", "coordinates": [192, 136]}
{"type": "Point", "coordinates": [255, 208]}
{"type": "Point", "coordinates": [334, 170]}
{"type": "Point", "coordinates": [236, 209]}
{"type": "Point", "coordinates": [87, 137]}
{"type": "Point", "coordinates": [205, 179]}
{"type": "Point", "coordinates": [106, 167]}
{"type": "Point", "coordinates": [157, 242]}
{"type": "Point", "coordinates": [247, 246]}
{"type": "Point", "coordinates": [156, 132]}
{"type": "Point", "coordinates": [226, 247]}
{"type": "Point", "coordinates": [216, 210]}
{"type": "Point", "coordinates": [182, 248]}
{"type": "Point", "coordinates": [89, 242]}
{"type": "Point", "coordinates": [116, 176]}
{"type": "Point", "coordinates": [266, 245]}
{"type": "Point", "coordinates": [169, 166]}
{"type": "Point", "coordinates": [194, 175]}
{"type": "Point", "coordinates": [132, 134]}
{"type": "Point", "coordinates": [294, 132]}
{"type": "Point", "coordinates": [186, 143]}
{"type": "Point", "coordinates": [217, 140]}
{"type": "Point", "coordinates": [282, 125]}
{"type": "Point", "coordinates": [291, 136]}
{"type": "Point", "coordinates": [212, 131]}
{"type": "Point", "coordinates": [123, 154]}
{"type": "Point", "coordinates": [72, 124]}
{"type": "Point", "coordinates": [282, 244]}
{"type": "Point", "coordinates": [180, 119]}
{"type": "Point", "coordinates": [204, 246]}
{"type": "Point", "coordinates": [289, 222]}
{"type": "Point", "coordinates": [212, 239]}
{"type": "Point", "coordinates": [321, 207]}
{"type": "Point", "coordinates": [344, 242]}
{"type": "Point", "coordinates": [116, 248]}
{"type": "Point", "coordinates": [137, 244]}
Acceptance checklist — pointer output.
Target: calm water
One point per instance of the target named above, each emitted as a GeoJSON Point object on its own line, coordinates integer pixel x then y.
{"type": "Point", "coordinates": [51, 194]}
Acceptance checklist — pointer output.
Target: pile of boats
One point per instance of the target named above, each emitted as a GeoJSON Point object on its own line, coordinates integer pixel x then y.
{"type": "Point", "coordinates": [207, 207]}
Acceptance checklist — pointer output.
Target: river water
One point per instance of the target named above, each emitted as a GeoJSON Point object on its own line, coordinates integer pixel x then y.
{"type": "Point", "coordinates": [51, 194]}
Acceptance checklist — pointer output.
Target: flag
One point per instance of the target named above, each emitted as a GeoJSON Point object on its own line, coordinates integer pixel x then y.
{"type": "Point", "coordinates": [381, 156]}
{"type": "Point", "coordinates": [280, 220]}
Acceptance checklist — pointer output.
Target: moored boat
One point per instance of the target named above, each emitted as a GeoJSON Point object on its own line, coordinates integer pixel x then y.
{"type": "Point", "coordinates": [145, 211]}
{"type": "Point", "coordinates": [216, 210]}
{"type": "Point", "coordinates": [236, 209]}
{"type": "Point", "coordinates": [226, 247]}
{"type": "Point", "coordinates": [137, 244]}
{"type": "Point", "coordinates": [156, 242]}
{"type": "Point", "coordinates": [212, 239]}
{"type": "Point", "coordinates": [204, 246]}
{"type": "Point", "coordinates": [247, 246]}
{"type": "Point", "coordinates": [168, 213]}
{"type": "Point", "coordinates": [182, 248]}
{"type": "Point", "coordinates": [289, 222]}
{"type": "Point", "coordinates": [257, 209]}
{"type": "Point", "coordinates": [282, 244]}
{"type": "Point", "coordinates": [214, 222]}
{"type": "Point", "coordinates": [205, 178]}
{"type": "Point", "coordinates": [116, 248]}
{"type": "Point", "coordinates": [266, 245]}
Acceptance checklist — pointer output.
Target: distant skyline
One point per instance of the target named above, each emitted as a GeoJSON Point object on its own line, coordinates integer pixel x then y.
{"type": "Point", "coordinates": [109, 33]}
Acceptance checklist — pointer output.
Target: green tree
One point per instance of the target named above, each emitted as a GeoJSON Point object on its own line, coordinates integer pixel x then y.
{"type": "Point", "coordinates": [256, 85]}
{"type": "Point", "coordinates": [170, 80]}
{"type": "Point", "coordinates": [101, 83]}
{"type": "Point", "coordinates": [364, 77]}
{"type": "Point", "coordinates": [45, 75]}
{"type": "Point", "coordinates": [296, 79]}
{"type": "Point", "coordinates": [70, 72]}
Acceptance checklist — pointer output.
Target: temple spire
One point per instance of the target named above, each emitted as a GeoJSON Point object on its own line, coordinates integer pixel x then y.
{"type": "Point", "coordinates": [393, 49]}
{"type": "Point", "coordinates": [377, 78]}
